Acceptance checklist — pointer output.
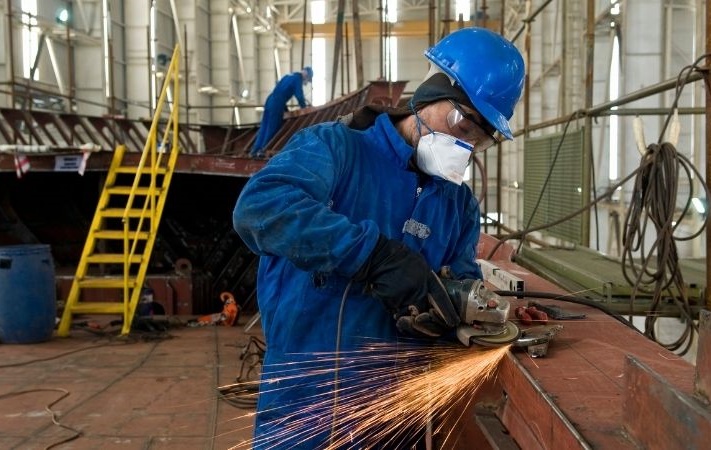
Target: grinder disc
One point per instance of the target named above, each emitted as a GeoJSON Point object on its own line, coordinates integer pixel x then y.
{"type": "Point", "coordinates": [509, 335]}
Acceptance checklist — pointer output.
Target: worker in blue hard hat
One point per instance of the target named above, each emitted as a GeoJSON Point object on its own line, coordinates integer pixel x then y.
{"type": "Point", "coordinates": [352, 219]}
{"type": "Point", "coordinates": [291, 85]}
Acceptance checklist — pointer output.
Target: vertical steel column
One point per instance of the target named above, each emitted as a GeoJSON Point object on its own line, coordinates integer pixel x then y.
{"type": "Point", "coordinates": [499, 147]}
{"type": "Point", "coordinates": [344, 50]}
{"type": "Point", "coordinates": [184, 48]}
{"type": "Point", "coordinates": [527, 74]}
{"type": "Point", "coordinates": [587, 140]}
{"type": "Point", "coordinates": [11, 44]}
{"type": "Point", "coordinates": [431, 23]}
{"type": "Point", "coordinates": [70, 58]}
{"type": "Point", "coordinates": [381, 18]}
{"type": "Point", "coordinates": [150, 71]}
{"type": "Point", "coordinates": [337, 45]}
{"type": "Point", "coordinates": [303, 35]}
{"type": "Point", "coordinates": [357, 46]}
{"type": "Point", "coordinates": [708, 152]}
{"type": "Point", "coordinates": [347, 62]}
{"type": "Point", "coordinates": [447, 19]}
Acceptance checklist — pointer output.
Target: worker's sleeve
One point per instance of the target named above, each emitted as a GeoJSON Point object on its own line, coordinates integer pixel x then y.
{"type": "Point", "coordinates": [463, 263]}
{"type": "Point", "coordinates": [284, 209]}
{"type": "Point", "coordinates": [299, 93]}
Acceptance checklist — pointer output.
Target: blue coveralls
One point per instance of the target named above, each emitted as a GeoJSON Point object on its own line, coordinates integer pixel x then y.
{"type": "Point", "coordinates": [289, 86]}
{"type": "Point", "coordinates": [314, 214]}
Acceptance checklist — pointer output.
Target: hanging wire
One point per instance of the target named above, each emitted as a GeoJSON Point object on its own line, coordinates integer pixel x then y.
{"type": "Point", "coordinates": [654, 199]}
{"type": "Point", "coordinates": [656, 270]}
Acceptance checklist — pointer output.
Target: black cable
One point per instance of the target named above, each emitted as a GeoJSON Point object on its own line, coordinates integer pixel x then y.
{"type": "Point", "coordinates": [548, 177]}
{"type": "Point", "coordinates": [240, 395]}
{"type": "Point", "coordinates": [654, 200]}
{"type": "Point", "coordinates": [53, 415]}
{"type": "Point", "coordinates": [337, 362]}
{"type": "Point", "coordinates": [656, 269]}
{"type": "Point", "coordinates": [594, 192]}
{"type": "Point", "coordinates": [681, 81]}
{"type": "Point", "coordinates": [569, 299]}
{"type": "Point", "coordinates": [522, 234]}
{"type": "Point", "coordinates": [244, 392]}
{"type": "Point", "coordinates": [32, 361]}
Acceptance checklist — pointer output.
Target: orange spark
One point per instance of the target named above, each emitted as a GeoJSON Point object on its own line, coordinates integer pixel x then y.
{"type": "Point", "coordinates": [372, 409]}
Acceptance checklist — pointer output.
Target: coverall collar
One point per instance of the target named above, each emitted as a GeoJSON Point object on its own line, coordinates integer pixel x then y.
{"type": "Point", "coordinates": [400, 149]}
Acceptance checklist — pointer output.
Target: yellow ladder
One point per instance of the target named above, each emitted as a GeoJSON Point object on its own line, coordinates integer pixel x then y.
{"type": "Point", "coordinates": [120, 241]}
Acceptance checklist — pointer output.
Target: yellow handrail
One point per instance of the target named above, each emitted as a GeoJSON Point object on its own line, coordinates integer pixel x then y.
{"type": "Point", "coordinates": [150, 150]}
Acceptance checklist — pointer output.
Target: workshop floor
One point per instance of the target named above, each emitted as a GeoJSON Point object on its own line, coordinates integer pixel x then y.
{"type": "Point", "coordinates": [138, 393]}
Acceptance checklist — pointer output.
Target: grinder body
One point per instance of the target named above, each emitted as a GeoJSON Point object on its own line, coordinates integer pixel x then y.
{"type": "Point", "coordinates": [483, 314]}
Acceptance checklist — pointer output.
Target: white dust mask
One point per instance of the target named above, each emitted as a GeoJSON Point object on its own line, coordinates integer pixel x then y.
{"type": "Point", "coordinates": [444, 156]}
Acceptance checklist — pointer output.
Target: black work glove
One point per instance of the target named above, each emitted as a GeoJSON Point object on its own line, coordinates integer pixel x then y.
{"type": "Point", "coordinates": [404, 282]}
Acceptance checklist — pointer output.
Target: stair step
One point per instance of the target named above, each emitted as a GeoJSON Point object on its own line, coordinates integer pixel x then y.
{"type": "Point", "coordinates": [111, 258]}
{"type": "Point", "coordinates": [146, 170]}
{"type": "Point", "coordinates": [118, 212]}
{"type": "Point", "coordinates": [117, 234]}
{"type": "Point", "coordinates": [106, 282]}
{"type": "Point", "coordinates": [126, 190]}
{"type": "Point", "coordinates": [98, 308]}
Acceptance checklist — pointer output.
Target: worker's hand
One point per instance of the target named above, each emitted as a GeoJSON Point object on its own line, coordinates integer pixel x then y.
{"type": "Point", "coordinates": [404, 282]}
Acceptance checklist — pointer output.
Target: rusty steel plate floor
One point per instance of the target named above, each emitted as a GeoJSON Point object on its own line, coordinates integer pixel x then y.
{"type": "Point", "coordinates": [136, 394]}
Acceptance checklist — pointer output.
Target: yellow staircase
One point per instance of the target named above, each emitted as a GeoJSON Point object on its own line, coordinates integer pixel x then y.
{"type": "Point", "coordinates": [122, 234]}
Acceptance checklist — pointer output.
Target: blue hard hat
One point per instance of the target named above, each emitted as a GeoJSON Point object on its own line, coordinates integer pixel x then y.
{"type": "Point", "coordinates": [309, 73]}
{"type": "Point", "coordinates": [487, 67]}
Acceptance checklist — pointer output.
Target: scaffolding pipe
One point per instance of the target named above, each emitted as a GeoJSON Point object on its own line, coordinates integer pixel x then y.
{"type": "Point", "coordinates": [530, 18]}
{"type": "Point", "coordinates": [431, 23]}
{"type": "Point", "coordinates": [707, 291]}
{"type": "Point", "coordinates": [303, 34]}
{"type": "Point", "coordinates": [357, 46]}
{"type": "Point", "coordinates": [380, 39]}
{"type": "Point", "coordinates": [605, 108]}
{"type": "Point", "coordinates": [337, 45]}
{"type": "Point", "coordinates": [11, 53]}
{"type": "Point", "coordinates": [587, 132]}
{"type": "Point", "coordinates": [499, 147]}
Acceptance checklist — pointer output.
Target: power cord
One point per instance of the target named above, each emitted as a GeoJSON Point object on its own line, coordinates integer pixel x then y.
{"type": "Point", "coordinates": [569, 299]}
{"type": "Point", "coordinates": [654, 201]}
{"type": "Point", "coordinates": [53, 415]}
{"type": "Point", "coordinates": [244, 392]}
{"type": "Point", "coordinates": [337, 360]}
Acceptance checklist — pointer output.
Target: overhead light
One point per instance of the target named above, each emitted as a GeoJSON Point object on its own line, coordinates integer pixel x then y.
{"type": "Point", "coordinates": [699, 205]}
{"type": "Point", "coordinates": [615, 9]}
{"type": "Point", "coordinates": [208, 90]}
{"type": "Point", "coordinates": [62, 16]}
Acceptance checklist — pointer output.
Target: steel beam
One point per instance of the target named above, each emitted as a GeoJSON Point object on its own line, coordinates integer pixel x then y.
{"type": "Point", "coordinates": [651, 401]}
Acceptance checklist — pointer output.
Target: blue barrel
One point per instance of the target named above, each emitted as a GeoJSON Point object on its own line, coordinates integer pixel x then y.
{"type": "Point", "coordinates": [28, 296]}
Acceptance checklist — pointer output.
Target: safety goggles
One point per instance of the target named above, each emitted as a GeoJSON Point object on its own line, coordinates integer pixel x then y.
{"type": "Point", "coordinates": [465, 126]}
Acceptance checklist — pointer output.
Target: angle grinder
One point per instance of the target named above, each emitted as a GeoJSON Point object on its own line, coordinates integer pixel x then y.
{"type": "Point", "coordinates": [483, 314]}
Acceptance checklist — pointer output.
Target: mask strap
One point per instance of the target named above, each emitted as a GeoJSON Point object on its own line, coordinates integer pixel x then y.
{"type": "Point", "coordinates": [418, 121]}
